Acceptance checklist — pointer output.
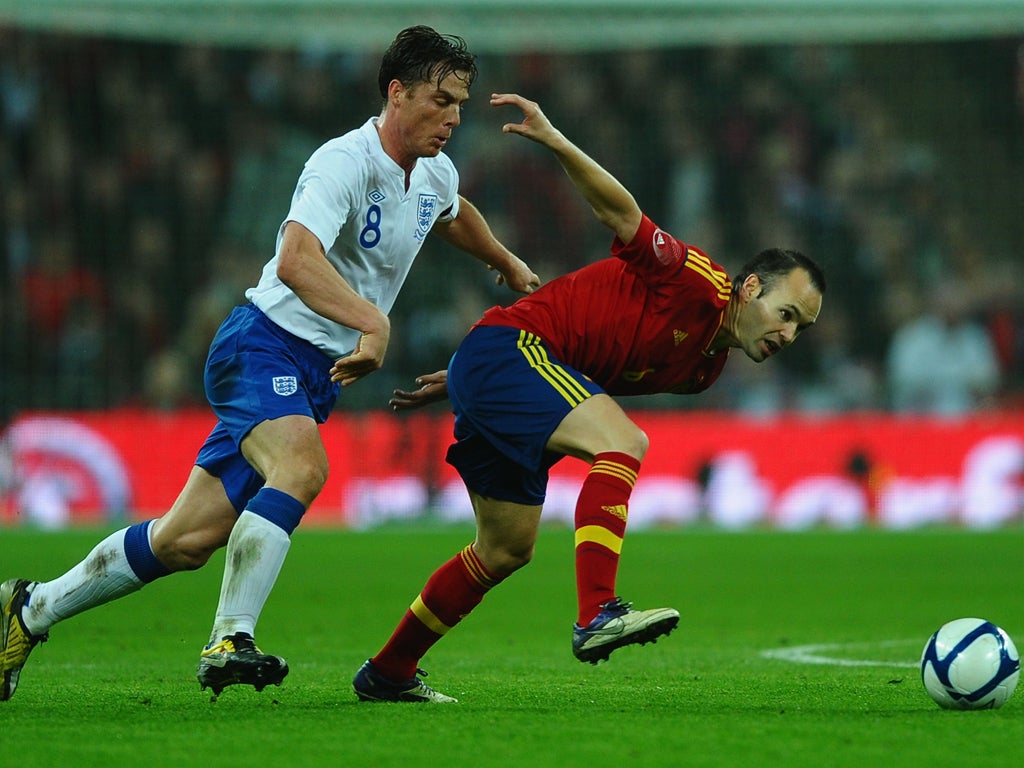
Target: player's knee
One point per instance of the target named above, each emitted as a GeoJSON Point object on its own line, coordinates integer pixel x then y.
{"type": "Point", "coordinates": [506, 559]}
{"type": "Point", "coordinates": [516, 558]}
{"type": "Point", "coordinates": [314, 476]}
{"type": "Point", "coordinates": [644, 444]}
{"type": "Point", "coordinates": [302, 479]}
{"type": "Point", "coordinates": [636, 444]}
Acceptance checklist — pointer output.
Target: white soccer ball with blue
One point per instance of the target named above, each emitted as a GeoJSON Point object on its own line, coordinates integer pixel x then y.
{"type": "Point", "coordinates": [970, 664]}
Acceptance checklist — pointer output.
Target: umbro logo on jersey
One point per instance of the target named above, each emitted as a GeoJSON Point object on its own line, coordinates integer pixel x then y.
{"type": "Point", "coordinates": [376, 196]}
{"type": "Point", "coordinates": [678, 336]}
{"type": "Point", "coordinates": [285, 385]}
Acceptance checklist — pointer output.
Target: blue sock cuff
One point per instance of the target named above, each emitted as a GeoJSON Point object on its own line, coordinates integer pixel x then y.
{"type": "Point", "coordinates": [140, 555]}
{"type": "Point", "coordinates": [278, 507]}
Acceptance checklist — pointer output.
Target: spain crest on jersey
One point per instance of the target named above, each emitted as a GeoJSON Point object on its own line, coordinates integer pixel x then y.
{"type": "Point", "coordinates": [425, 215]}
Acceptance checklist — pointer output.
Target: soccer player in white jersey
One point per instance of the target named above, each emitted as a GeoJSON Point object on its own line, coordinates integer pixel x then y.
{"type": "Point", "coordinates": [361, 209]}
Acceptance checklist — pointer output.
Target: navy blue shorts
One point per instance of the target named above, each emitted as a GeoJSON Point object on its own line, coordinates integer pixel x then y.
{"type": "Point", "coordinates": [257, 371]}
{"type": "Point", "coordinates": [509, 395]}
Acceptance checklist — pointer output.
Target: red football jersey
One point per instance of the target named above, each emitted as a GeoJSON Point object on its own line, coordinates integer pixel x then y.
{"type": "Point", "coordinates": [638, 323]}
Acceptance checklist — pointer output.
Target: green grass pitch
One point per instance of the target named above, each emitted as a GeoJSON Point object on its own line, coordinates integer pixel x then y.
{"type": "Point", "coordinates": [116, 686]}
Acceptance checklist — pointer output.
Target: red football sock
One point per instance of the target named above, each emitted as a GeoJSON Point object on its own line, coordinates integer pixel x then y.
{"type": "Point", "coordinates": [601, 512]}
{"type": "Point", "coordinates": [455, 589]}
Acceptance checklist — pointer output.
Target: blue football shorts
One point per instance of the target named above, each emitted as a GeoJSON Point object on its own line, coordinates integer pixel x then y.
{"type": "Point", "coordinates": [509, 395]}
{"type": "Point", "coordinates": [257, 371]}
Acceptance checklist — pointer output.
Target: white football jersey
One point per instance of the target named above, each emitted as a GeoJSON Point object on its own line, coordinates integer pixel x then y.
{"type": "Point", "coordinates": [352, 196]}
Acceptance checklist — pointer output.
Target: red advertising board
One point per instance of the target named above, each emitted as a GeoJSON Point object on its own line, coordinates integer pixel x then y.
{"type": "Point", "coordinates": [732, 471]}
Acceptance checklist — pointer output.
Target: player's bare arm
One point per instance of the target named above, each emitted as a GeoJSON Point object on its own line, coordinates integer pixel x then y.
{"type": "Point", "coordinates": [432, 387]}
{"type": "Point", "coordinates": [303, 267]}
{"type": "Point", "coordinates": [611, 202]}
{"type": "Point", "coordinates": [470, 232]}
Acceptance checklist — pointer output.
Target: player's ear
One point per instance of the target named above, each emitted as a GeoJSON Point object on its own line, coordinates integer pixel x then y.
{"type": "Point", "coordinates": [751, 287]}
{"type": "Point", "coordinates": [395, 92]}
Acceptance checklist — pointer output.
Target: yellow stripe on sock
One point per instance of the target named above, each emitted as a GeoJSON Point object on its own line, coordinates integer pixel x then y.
{"type": "Point", "coordinates": [615, 469]}
{"type": "Point", "coordinates": [476, 568]}
{"type": "Point", "coordinates": [598, 535]}
{"type": "Point", "coordinates": [424, 614]}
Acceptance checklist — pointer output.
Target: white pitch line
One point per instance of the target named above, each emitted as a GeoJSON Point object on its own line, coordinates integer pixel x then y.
{"type": "Point", "coordinates": [813, 654]}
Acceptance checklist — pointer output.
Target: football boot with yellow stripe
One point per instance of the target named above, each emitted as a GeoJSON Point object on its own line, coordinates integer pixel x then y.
{"type": "Point", "coordinates": [235, 660]}
{"type": "Point", "coordinates": [18, 642]}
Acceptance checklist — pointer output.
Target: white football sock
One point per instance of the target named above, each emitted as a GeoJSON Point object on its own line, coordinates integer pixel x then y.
{"type": "Point", "coordinates": [256, 552]}
{"type": "Point", "coordinates": [104, 575]}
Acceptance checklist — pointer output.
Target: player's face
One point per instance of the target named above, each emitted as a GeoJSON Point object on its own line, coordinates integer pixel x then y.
{"type": "Point", "coordinates": [769, 321]}
{"type": "Point", "coordinates": [427, 113]}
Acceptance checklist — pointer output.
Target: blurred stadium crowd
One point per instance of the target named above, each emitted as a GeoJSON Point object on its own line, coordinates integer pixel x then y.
{"type": "Point", "coordinates": [141, 187]}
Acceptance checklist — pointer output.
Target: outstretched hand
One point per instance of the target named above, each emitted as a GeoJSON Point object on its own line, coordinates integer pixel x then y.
{"type": "Point", "coordinates": [612, 203]}
{"type": "Point", "coordinates": [432, 388]}
{"type": "Point", "coordinates": [535, 124]}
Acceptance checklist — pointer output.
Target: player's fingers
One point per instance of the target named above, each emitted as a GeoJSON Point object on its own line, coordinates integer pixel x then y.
{"type": "Point", "coordinates": [438, 377]}
{"type": "Point", "coordinates": [350, 372]}
{"type": "Point", "coordinates": [498, 99]}
{"type": "Point", "coordinates": [353, 378]}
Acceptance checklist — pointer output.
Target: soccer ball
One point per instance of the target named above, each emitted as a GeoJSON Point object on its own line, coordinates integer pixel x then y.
{"type": "Point", "coordinates": [970, 664]}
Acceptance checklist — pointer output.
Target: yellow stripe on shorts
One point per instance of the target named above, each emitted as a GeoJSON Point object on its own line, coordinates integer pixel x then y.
{"type": "Point", "coordinates": [555, 375]}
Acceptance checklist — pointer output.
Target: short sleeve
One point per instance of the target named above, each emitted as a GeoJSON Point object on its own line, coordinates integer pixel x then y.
{"type": "Point", "coordinates": [321, 203]}
{"type": "Point", "coordinates": [651, 250]}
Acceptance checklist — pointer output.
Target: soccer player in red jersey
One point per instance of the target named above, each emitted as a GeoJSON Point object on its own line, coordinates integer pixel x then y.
{"type": "Point", "coordinates": [532, 383]}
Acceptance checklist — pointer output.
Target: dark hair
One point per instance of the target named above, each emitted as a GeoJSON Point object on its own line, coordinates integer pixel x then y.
{"type": "Point", "coordinates": [421, 55]}
{"type": "Point", "coordinates": [773, 263]}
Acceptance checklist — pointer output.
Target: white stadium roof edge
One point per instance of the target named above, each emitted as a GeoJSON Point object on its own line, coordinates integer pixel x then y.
{"type": "Point", "coordinates": [510, 26]}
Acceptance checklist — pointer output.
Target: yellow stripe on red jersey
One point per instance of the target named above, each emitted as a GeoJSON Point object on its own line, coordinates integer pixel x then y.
{"type": "Point", "coordinates": [641, 322]}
